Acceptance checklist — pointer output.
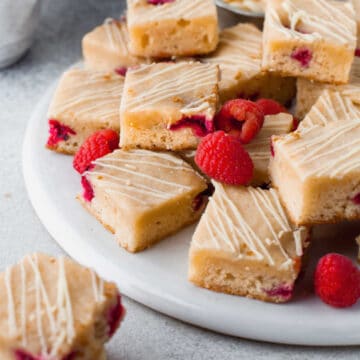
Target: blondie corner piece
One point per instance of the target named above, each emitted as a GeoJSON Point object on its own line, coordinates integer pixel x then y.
{"type": "Point", "coordinates": [309, 91]}
{"type": "Point", "coordinates": [245, 245]}
{"type": "Point", "coordinates": [167, 28]}
{"type": "Point", "coordinates": [143, 196]}
{"type": "Point", "coordinates": [168, 106]}
{"type": "Point", "coordinates": [239, 56]}
{"type": "Point", "coordinates": [331, 106]}
{"type": "Point", "coordinates": [315, 39]}
{"type": "Point", "coordinates": [84, 102]}
{"type": "Point", "coordinates": [106, 48]}
{"type": "Point", "coordinates": [317, 172]}
{"type": "Point", "coordinates": [54, 308]}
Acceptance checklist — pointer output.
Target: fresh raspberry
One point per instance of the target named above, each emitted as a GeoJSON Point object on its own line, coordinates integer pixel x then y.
{"type": "Point", "coordinates": [337, 280]}
{"type": "Point", "coordinates": [95, 146]}
{"type": "Point", "coordinates": [223, 158]}
{"type": "Point", "coordinates": [303, 56]}
{"type": "Point", "coordinates": [270, 107]}
{"type": "Point", "coordinates": [357, 52]}
{"type": "Point", "coordinates": [240, 118]}
{"type": "Point", "coordinates": [58, 132]}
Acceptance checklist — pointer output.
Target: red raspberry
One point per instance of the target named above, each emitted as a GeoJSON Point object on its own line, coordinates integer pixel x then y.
{"type": "Point", "coordinates": [95, 146]}
{"type": "Point", "coordinates": [58, 132]}
{"type": "Point", "coordinates": [240, 118]}
{"type": "Point", "coordinates": [270, 107]}
{"type": "Point", "coordinates": [115, 316]}
{"type": "Point", "coordinates": [357, 52]}
{"type": "Point", "coordinates": [337, 280]}
{"type": "Point", "coordinates": [223, 157]}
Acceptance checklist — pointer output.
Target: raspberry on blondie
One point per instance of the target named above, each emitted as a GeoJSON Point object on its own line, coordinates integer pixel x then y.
{"type": "Point", "coordinates": [309, 91]}
{"type": "Point", "coordinates": [54, 308]}
{"type": "Point", "coordinates": [245, 245]}
{"type": "Point", "coordinates": [84, 102]}
{"type": "Point", "coordinates": [239, 58]}
{"type": "Point", "coordinates": [317, 172]}
{"type": "Point", "coordinates": [314, 39]}
{"type": "Point", "coordinates": [166, 28]}
{"type": "Point", "coordinates": [143, 196]}
{"type": "Point", "coordinates": [106, 48]}
{"type": "Point", "coordinates": [331, 106]}
{"type": "Point", "coordinates": [168, 106]}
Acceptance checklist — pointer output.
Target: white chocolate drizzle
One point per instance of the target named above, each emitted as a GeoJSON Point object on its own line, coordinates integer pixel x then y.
{"type": "Point", "coordinates": [187, 86]}
{"type": "Point", "coordinates": [87, 93]}
{"type": "Point", "coordinates": [117, 35]}
{"type": "Point", "coordinates": [319, 19]}
{"type": "Point", "coordinates": [229, 228]}
{"type": "Point", "coordinates": [331, 106]}
{"type": "Point", "coordinates": [53, 321]}
{"type": "Point", "coordinates": [330, 151]}
{"type": "Point", "coordinates": [238, 54]}
{"type": "Point", "coordinates": [131, 174]}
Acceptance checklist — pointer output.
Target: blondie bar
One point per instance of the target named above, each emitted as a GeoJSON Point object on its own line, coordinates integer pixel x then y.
{"type": "Point", "coordinates": [143, 196]}
{"type": "Point", "coordinates": [165, 28]}
{"type": "Point", "coordinates": [245, 245]}
{"type": "Point", "coordinates": [84, 102]}
{"type": "Point", "coordinates": [317, 172]}
{"type": "Point", "coordinates": [54, 308]}
{"type": "Point", "coordinates": [168, 106]}
{"type": "Point", "coordinates": [239, 58]}
{"type": "Point", "coordinates": [314, 39]}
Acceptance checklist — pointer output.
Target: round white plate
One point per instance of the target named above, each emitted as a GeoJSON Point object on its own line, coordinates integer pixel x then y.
{"type": "Point", "coordinates": [158, 277]}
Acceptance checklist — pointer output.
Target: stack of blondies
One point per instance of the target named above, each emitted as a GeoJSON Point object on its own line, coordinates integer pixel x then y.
{"type": "Point", "coordinates": [159, 77]}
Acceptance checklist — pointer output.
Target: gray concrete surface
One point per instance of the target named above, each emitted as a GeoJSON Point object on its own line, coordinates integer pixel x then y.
{"type": "Point", "coordinates": [145, 334]}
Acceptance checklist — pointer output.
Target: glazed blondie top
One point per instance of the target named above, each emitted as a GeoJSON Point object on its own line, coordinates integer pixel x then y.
{"type": "Point", "coordinates": [176, 9]}
{"type": "Point", "coordinates": [91, 94]}
{"type": "Point", "coordinates": [331, 106]}
{"type": "Point", "coordinates": [189, 87]}
{"type": "Point", "coordinates": [310, 20]}
{"type": "Point", "coordinates": [331, 151]}
{"type": "Point", "coordinates": [238, 53]}
{"type": "Point", "coordinates": [252, 230]}
{"type": "Point", "coordinates": [139, 179]}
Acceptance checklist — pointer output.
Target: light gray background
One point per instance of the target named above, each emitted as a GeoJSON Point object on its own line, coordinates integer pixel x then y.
{"type": "Point", "coordinates": [145, 334]}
